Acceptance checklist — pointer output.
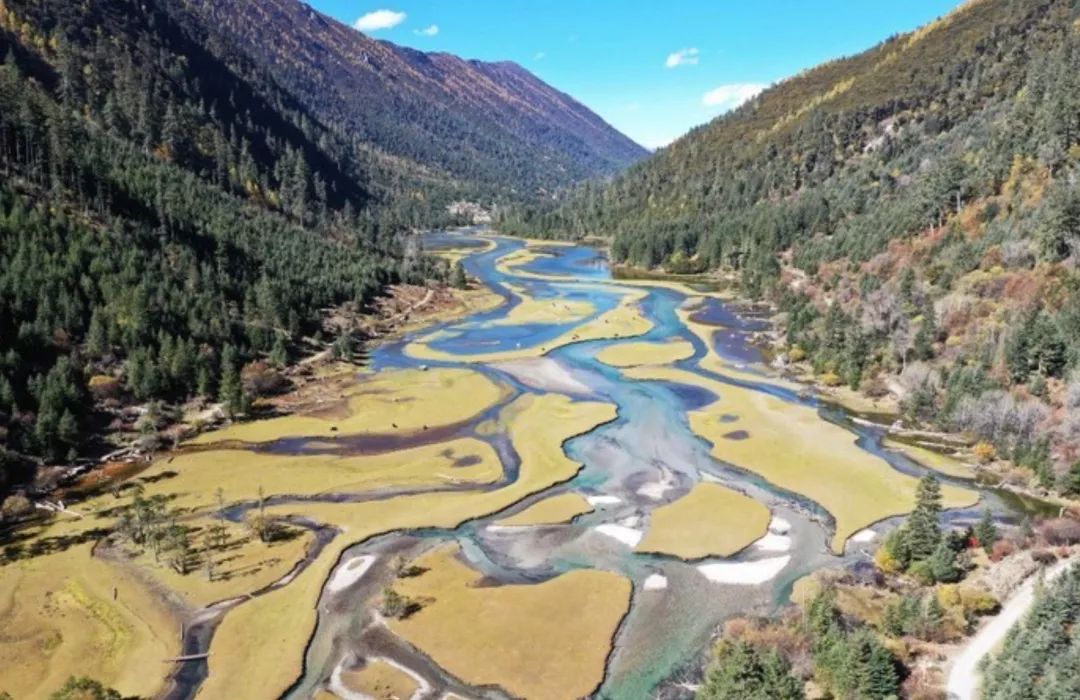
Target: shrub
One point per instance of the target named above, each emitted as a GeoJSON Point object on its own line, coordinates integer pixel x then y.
{"type": "Point", "coordinates": [1061, 531]}
{"type": "Point", "coordinates": [1001, 549]}
{"type": "Point", "coordinates": [922, 572]}
{"type": "Point", "coordinates": [102, 387]}
{"type": "Point", "coordinates": [796, 354]}
{"type": "Point", "coordinates": [984, 452]}
{"type": "Point", "coordinates": [977, 601]}
{"type": "Point", "coordinates": [396, 605]}
{"type": "Point", "coordinates": [84, 689]}
{"type": "Point", "coordinates": [885, 561]}
{"type": "Point", "coordinates": [949, 595]}
{"type": "Point", "coordinates": [831, 379]}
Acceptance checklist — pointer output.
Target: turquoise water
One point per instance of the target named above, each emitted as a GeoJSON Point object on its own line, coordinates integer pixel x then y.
{"type": "Point", "coordinates": [645, 458]}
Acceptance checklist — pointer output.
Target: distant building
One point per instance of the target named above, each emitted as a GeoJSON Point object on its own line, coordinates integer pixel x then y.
{"type": "Point", "coordinates": [472, 212]}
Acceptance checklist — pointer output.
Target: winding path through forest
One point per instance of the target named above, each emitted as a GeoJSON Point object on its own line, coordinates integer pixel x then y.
{"type": "Point", "coordinates": [963, 681]}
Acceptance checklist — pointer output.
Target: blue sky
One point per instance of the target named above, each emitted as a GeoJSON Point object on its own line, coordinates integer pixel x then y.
{"type": "Point", "coordinates": [652, 68]}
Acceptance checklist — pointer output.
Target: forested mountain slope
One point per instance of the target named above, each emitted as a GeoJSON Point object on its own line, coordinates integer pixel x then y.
{"type": "Point", "coordinates": [492, 126]}
{"type": "Point", "coordinates": [915, 211]}
{"type": "Point", "coordinates": [164, 216]}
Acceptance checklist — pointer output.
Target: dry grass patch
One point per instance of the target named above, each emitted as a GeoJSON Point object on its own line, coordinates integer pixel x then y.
{"type": "Point", "coordinates": [542, 641]}
{"type": "Point", "coordinates": [243, 563]}
{"type": "Point", "coordinates": [399, 401]}
{"type": "Point", "coordinates": [931, 459]}
{"type": "Point", "coordinates": [711, 520]}
{"type": "Point", "coordinates": [69, 613]}
{"type": "Point", "coordinates": [258, 650]}
{"type": "Point", "coordinates": [191, 480]}
{"type": "Point", "coordinates": [635, 354]}
{"type": "Point", "coordinates": [380, 680]}
{"type": "Point", "coordinates": [795, 449]}
{"type": "Point", "coordinates": [548, 311]}
{"type": "Point", "coordinates": [550, 511]}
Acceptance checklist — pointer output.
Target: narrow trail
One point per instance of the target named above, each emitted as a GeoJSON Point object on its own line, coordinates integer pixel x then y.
{"type": "Point", "coordinates": [964, 677]}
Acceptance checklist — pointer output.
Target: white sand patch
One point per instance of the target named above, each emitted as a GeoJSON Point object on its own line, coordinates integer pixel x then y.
{"type": "Point", "coordinates": [746, 573]}
{"type": "Point", "coordinates": [867, 535]}
{"type": "Point", "coordinates": [509, 528]}
{"type": "Point", "coordinates": [655, 582]}
{"type": "Point", "coordinates": [654, 490]}
{"type": "Point", "coordinates": [543, 373]}
{"type": "Point", "coordinates": [773, 543]}
{"type": "Point", "coordinates": [603, 500]}
{"type": "Point", "coordinates": [350, 572]}
{"type": "Point", "coordinates": [627, 535]}
{"type": "Point", "coordinates": [779, 526]}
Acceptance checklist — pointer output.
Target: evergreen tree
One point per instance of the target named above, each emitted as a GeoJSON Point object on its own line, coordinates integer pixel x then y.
{"type": "Point", "coordinates": [943, 566]}
{"type": "Point", "coordinates": [279, 355]}
{"type": "Point", "coordinates": [934, 618]}
{"type": "Point", "coordinates": [741, 671]}
{"type": "Point", "coordinates": [986, 531]}
{"type": "Point", "coordinates": [922, 530]}
{"type": "Point", "coordinates": [459, 279]}
{"type": "Point", "coordinates": [230, 388]}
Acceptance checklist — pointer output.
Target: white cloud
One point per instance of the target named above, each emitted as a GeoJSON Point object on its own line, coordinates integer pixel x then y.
{"type": "Point", "coordinates": [730, 96]}
{"type": "Point", "coordinates": [540, 56]}
{"type": "Point", "coordinates": [427, 31]}
{"type": "Point", "coordinates": [683, 57]}
{"type": "Point", "coordinates": [379, 19]}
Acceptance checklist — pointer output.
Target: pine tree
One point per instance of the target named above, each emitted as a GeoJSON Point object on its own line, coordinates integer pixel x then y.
{"type": "Point", "coordinates": [743, 672]}
{"type": "Point", "coordinates": [279, 354]}
{"type": "Point", "coordinates": [230, 389]}
{"type": "Point", "coordinates": [986, 531]}
{"type": "Point", "coordinates": [943, 564]}
{"type": "Point", "coordinates": [922, 530]}
{"type": "Point", "coordinates": [459, 279]}
{"type": "Point", "coordinates": [934, 618]}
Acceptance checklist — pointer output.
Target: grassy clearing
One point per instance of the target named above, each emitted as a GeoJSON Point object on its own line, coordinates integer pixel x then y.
{"type": "Point", "coordinates": [191, 480]}
{"type": "Point", "coordinates": [549, 311]}
{"type": "Point", "coordinates": [243, 565]}
{"type": "Point", "coordinates": [380, 680]}
{"type": "Point", "coordinates": [542, 641]}
{"type": "Point", "coordinates": [59, 616]}
{"type": "Point", "coordinates": [258, 650]}
{"type": "Point", "coordinates": [388, 402]}
{"type": "Point", "coordinates": [550, 511]}
{"type": "Point", "coordinates": [623, 321]}
{"type": "Point", "coordinates": [795, 449]}
{"type": "Point", "coordinates": [116, 643]}
{"type": "Point", "coordinates": [456, 255]}
{"type": "Point", "coordinates": [643, 353]}
{"type": "Point", "coordinates": [931, 459]}
{"type": "Point", "coordinates": [711, 520]}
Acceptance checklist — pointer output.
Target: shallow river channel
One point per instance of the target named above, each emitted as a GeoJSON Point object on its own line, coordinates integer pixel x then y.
{"type": "Point", "coordinates": [646, 458]}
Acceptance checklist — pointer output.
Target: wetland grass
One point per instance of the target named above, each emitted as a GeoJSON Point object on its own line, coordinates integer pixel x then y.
{"type": "Point", "coordinates": [711, 520]}
{"type": "Point", "coordinates": [545, 641]}
{"type": "Point", "coordinates": [550, 511]}
{"type": "Point", "coordinates": [258, 650]}
{"type": "Point", "coordinates": [791, 446]}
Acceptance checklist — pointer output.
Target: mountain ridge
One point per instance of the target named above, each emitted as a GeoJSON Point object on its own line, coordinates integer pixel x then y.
{"type": "Point", "coordinates": [462, 117]}
{"type": "Point", "coordinates": [913, 211]}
